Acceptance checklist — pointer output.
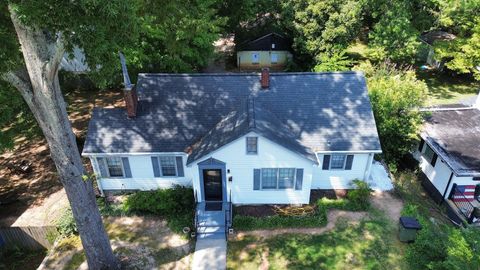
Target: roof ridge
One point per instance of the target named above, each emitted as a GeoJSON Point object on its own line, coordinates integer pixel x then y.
{"type": "Point", "coordinates": [247, 74]}
{"type": "Point", "coordinates": [251, 112]}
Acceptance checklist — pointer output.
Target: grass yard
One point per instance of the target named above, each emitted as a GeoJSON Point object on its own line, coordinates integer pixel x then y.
{"type": "Point", "coordinates": [369, 244]}
{"type": "Point", "coordinates": [444, 89]}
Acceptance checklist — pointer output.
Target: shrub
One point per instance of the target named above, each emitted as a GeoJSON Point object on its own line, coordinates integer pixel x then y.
{"type": "Point", "coordinates": [109, 209]}
{"type": "Point", "coordinates": [66, 224]}
{"type": "Point", "coordinates": [359, 197]}
{"type": "Point", "coordinates": [166, 202]}
{"type": "Point", "coordinates": [440, 246]}
{"type": "Point", "coordinates": [249, 223]}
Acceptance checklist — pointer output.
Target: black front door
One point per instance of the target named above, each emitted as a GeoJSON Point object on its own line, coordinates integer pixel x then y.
{"type": "Point", "coordinates": [212, 184]}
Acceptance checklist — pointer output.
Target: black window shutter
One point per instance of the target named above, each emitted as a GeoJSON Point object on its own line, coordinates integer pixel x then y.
{"type": "Point", "coordinates": [102, 167]}
{"type": "Point", "coordinates": [420, 145]}
{"type": "Point", "coordinates": [156, 168]}
{"type": "Point", "coordinates": [434, 159]}
{"type": "Point", "coordinates": [126, 167]}
{"type": "Point", "coordinates": [348, 166]}
{"type": "Point", "coordinates": [299, 182]}
{"type": "Point", "coordinates": [180, 172]}
{"type": "Point", "coordinates": [256, 179]}
{"type": "Point", "coordinates": [326, 162]}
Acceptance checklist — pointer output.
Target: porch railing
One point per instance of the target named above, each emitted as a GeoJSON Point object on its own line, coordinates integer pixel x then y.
{"type": "Point", "coordinates": [228, 214]}
{"type": "Point", "coordinates": [463, 204]}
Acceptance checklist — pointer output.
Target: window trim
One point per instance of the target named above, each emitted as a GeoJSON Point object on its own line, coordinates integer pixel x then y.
{"type": "Point", "coordinates": [344, 162]}
{"type": "Point", "coordinates": [175, 165]}
{"type": "Point", "coordinates": [256, 145]}
{"type": "Point", "coordinates": [425, 156]}
{"type": "Point", "coordinates": [108, 170]}
{"type": "Point", "coordinates": [277, 179]}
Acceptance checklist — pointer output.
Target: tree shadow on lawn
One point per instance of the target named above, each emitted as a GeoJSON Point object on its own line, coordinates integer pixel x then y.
{"type": "Point", "coordinates": [447, 89]}
{"type": "Point", "coordinates": [371, 244]}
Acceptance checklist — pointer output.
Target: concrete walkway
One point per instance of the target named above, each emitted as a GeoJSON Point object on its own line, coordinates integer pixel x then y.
{"type": "Point", "coordinates": [210, 254]}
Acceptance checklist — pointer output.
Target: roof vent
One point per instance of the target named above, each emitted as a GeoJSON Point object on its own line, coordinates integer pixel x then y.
{"type": "Point", "coordinates": [265, 78]}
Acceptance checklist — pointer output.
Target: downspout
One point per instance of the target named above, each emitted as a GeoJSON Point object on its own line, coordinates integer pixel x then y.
{"type": "Point", "coordinates": [446, 188]}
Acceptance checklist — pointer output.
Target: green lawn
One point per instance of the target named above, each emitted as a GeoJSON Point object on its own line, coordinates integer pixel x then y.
{"type": "Point", "coordinates": [444, 89]}
{"type": "Point", "coordinates": [371, 244]}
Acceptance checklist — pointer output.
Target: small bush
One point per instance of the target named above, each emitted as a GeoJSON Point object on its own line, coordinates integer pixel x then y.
{"type": "Point", "coordinates": [109, 209]}
{"type": "Point", "coordinates": [176, 205]}
{"type": "Point", "coordinates": [66, 224]}
{"type": "Point", "coordinates": [249, 223]}
{"type": "Point", "coordinates": [166, 202]}
{"type": "Point", "coordinates": [359, 197]}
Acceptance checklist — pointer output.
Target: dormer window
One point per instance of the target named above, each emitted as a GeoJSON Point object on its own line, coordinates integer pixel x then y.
{"type": "Point", "coordinates": [252, 145]}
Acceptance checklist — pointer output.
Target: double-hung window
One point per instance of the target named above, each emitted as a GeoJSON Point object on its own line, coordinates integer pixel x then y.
{"type": "Point", "coordinates": [114, 166]}
{"type": "Point", "coordinates": [338, 162]}
{"type": "Point", "coordinates": [430, 155]}
{"type": "Point", "coordinates": [278, 178]}
{"type": "Point", "coordinates": [168, 165]}
{"type": "Point", "coordinates": [252, 145]}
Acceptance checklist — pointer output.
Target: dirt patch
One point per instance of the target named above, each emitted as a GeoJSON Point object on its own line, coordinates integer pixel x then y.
{"type": "Point", "coordinates": [19, 190]}
{"type": "Point", "coordinates": [255, 210]}
{"type": "Point", "coordinates": [138, 242]}
{"type": "Point", "coordinates": [333, 216]}
{"type": "Point", "coordinates": [389, 204]}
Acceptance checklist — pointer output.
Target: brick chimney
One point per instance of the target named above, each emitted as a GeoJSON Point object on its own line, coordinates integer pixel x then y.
{"type": "Point", "coordinates": [265, 78]}
{"type": "Point", "coordinates": [131, 102]}
{"type": "Point", "coordinates": [129, 91]}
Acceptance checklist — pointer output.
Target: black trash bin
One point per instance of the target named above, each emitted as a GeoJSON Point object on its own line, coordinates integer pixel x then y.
{"type": "Point", "coordinates": [408, 229]}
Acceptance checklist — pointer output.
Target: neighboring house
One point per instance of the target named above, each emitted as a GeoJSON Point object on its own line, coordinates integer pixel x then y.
{"type": "Point", "coordinates": [272, 51]}
{"type": "Point", "coordinates": [449, 155]}
{"type": "Point", "coordinates": [429, 38]}
{"type": "Point", "coordinates": [74, 62]}
{"type": "Point", "coordinates": [264, 138]}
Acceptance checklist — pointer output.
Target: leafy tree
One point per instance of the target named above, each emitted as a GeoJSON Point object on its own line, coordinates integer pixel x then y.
{"type": "Point", "coordinates": [321, 27]}
{"type": "Point", "coordinates": [337, 61]}
{"type": "Point", "coordinates": [33, 43]}
{"type": "Point", "coordinates": [175, 36]}
{"type": "Point", "coordinates": [395, 96]}
{"type": "Point", "coordinates": [393, 36]}
{"type": "Point", "coordinates": [462, 19]}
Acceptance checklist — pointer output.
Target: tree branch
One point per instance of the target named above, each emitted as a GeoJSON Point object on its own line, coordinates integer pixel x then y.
{"type": "Point", "coordinates": [56, 57]}
{"type": "Point", "coordinates": [20, 80]}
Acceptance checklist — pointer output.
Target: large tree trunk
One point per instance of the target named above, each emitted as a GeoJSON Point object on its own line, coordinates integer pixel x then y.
{"type": "Point", "coordinates": [40, 88]}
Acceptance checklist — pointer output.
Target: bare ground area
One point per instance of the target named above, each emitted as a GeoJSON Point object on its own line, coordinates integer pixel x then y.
{"type": "Point", "coordinates": [139, 243]}
{"type": "Point", "coordinates": [25, 195]}
{"type": "Point", "coordinates": [387, 203]}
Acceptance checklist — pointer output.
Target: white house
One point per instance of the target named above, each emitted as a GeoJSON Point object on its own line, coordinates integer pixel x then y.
{"type": "Point", "coordinates": [252, 138]}
{"type": "Point", "coordinates": [449, 156]}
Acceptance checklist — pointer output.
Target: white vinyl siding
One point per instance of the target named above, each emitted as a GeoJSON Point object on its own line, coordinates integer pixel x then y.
{"type": "Point", "coordinates": [240, 167]}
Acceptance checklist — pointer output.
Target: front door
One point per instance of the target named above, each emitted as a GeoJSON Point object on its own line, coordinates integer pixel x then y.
{"type": "Point", "coordinates": [212, 184]}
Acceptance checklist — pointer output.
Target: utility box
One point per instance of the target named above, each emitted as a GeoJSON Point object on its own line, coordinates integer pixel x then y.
{"type": "Point", "coordinates": [408, 229]}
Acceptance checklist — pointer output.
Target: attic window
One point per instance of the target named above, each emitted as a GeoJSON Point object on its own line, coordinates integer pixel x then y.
{"type": "Point", "coordinates": [252, 145]}
{"type": "Point", "coordinates": [273, 45]}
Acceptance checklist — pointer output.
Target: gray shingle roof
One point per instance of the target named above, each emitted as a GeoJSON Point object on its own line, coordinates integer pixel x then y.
{"type": "Point", "coordinates": [249, 116]}
{"type": "Point", "coordinates": [455, 135]}
{"type": "Point", "coordinates": [321, 111]}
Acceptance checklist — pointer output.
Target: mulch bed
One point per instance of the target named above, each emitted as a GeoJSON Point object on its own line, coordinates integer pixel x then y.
{"type": "Point", "coordinates": [269, 209]}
